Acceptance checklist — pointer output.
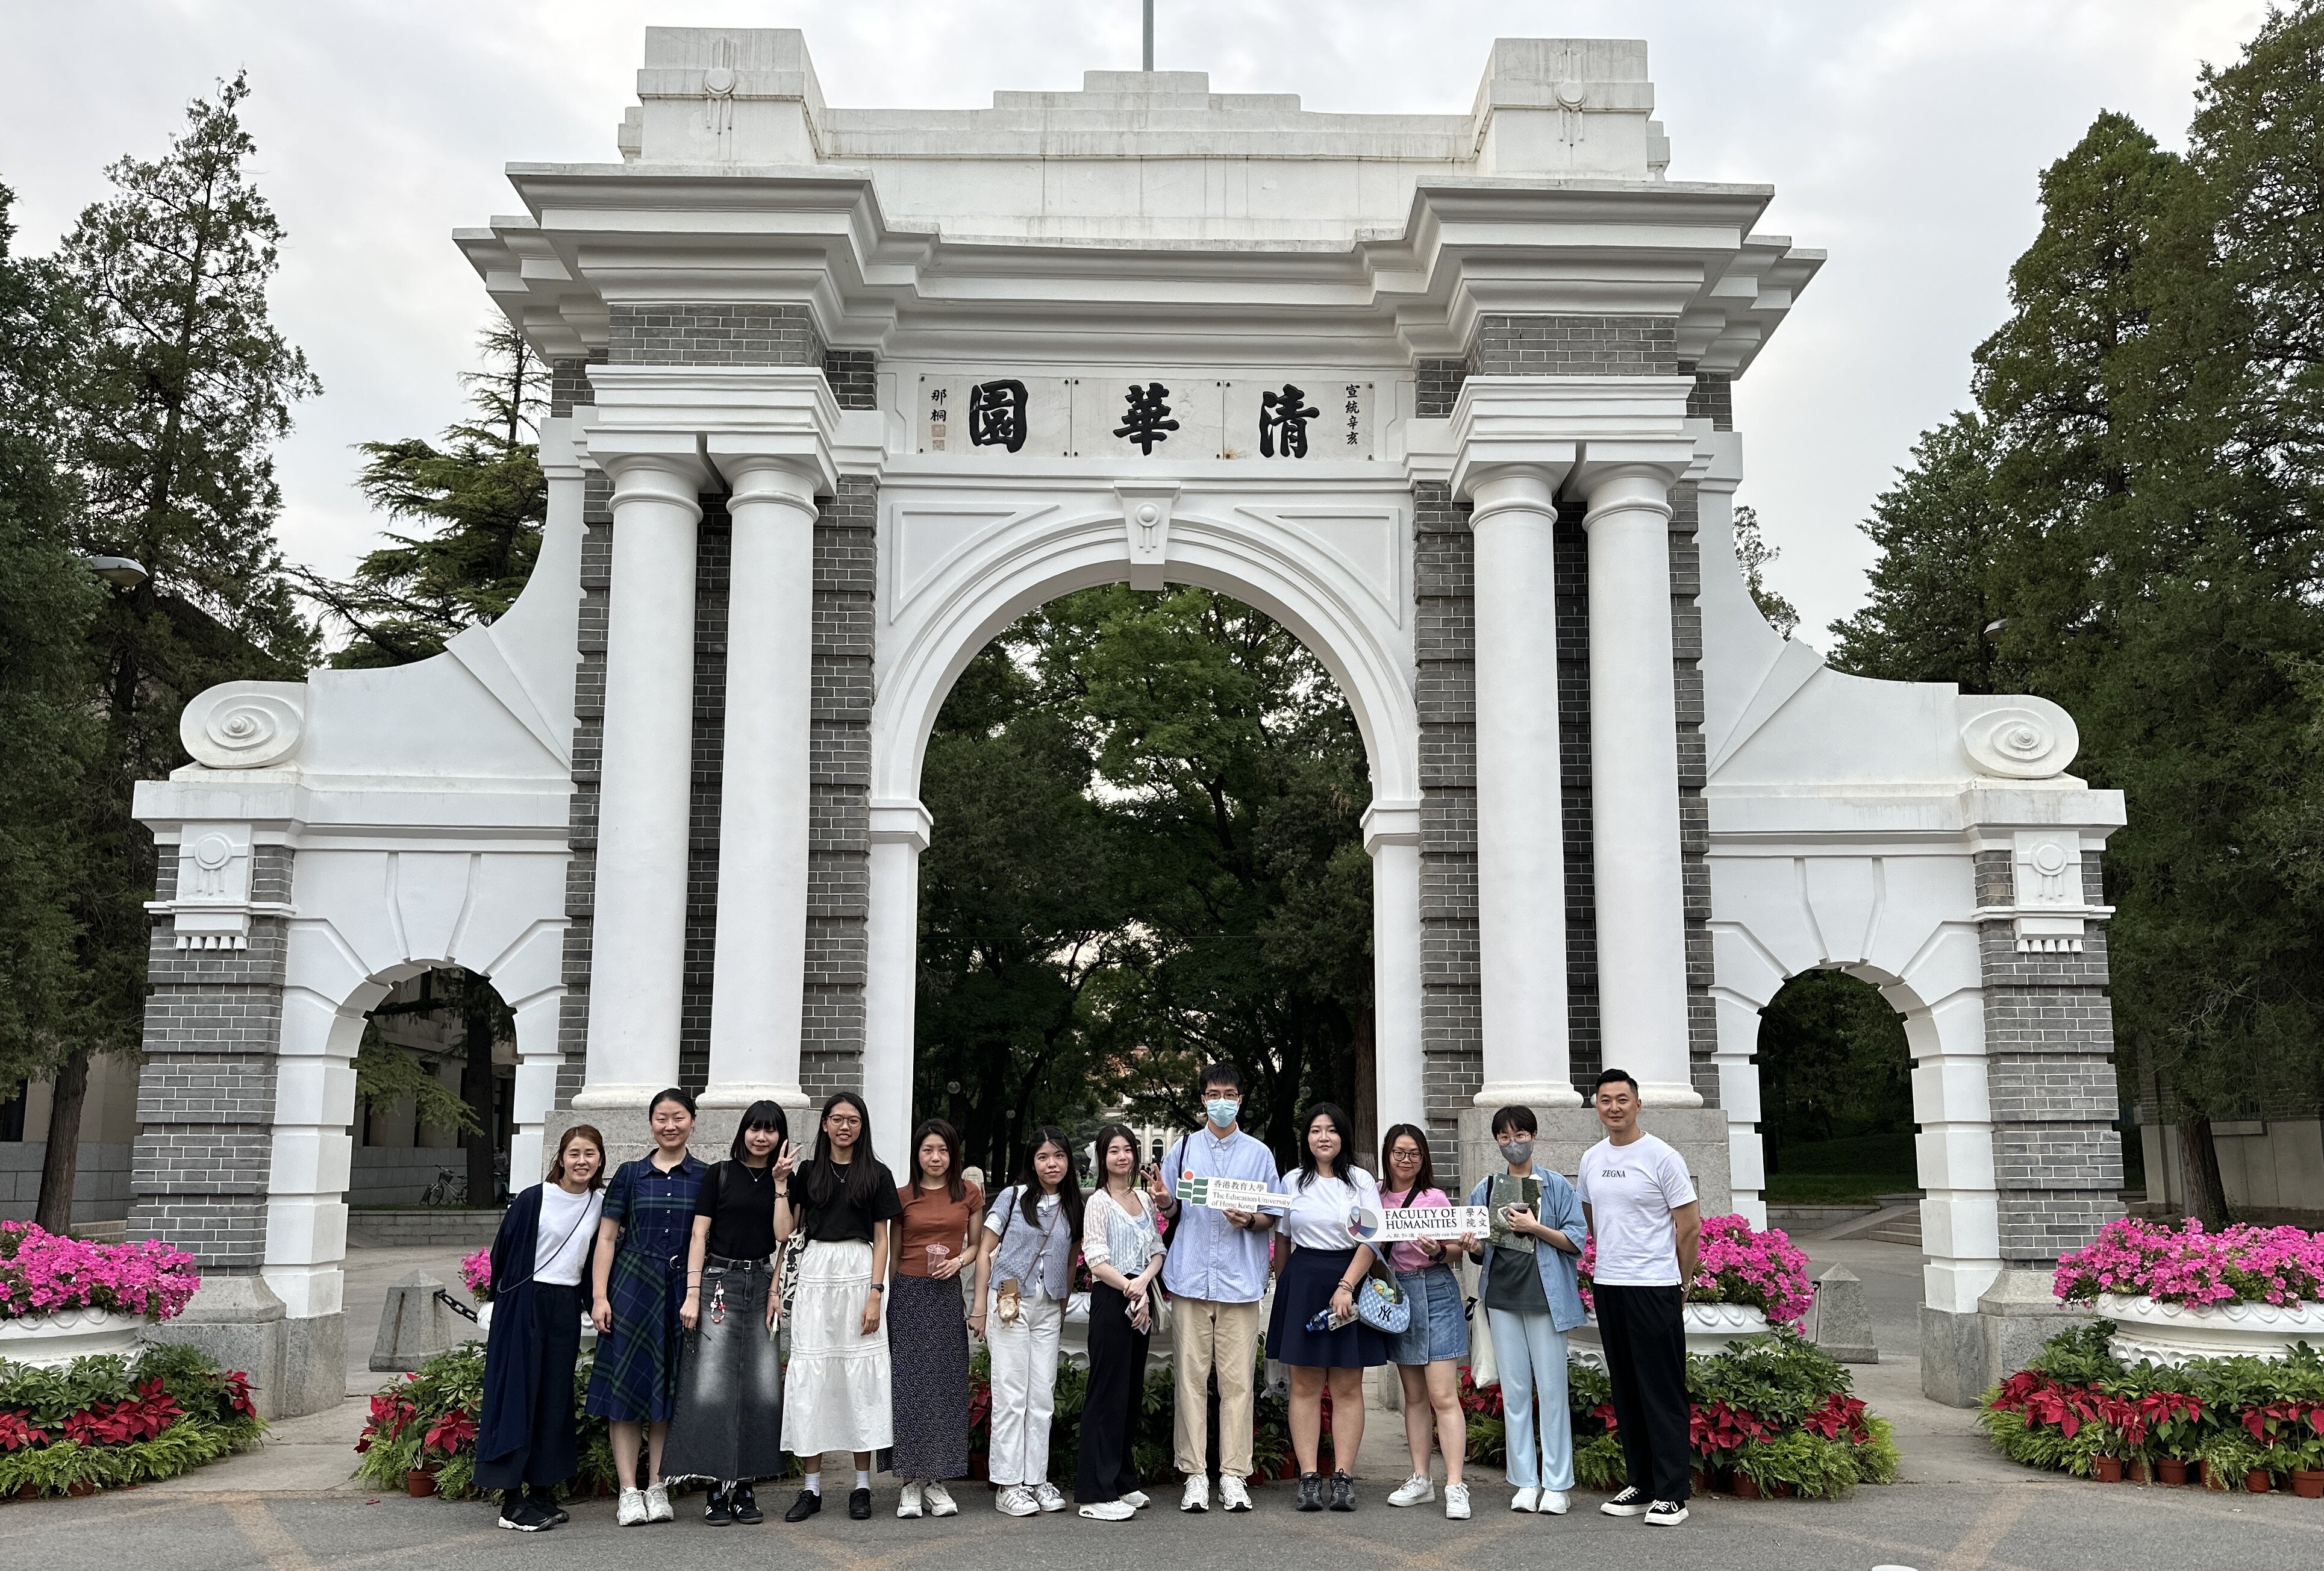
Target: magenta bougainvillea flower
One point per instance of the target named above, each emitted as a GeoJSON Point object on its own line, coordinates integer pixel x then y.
{"type": "Point", "coordinates": [42, 1274]}
{"type": "Point", "coordinates": [1736, 1263]}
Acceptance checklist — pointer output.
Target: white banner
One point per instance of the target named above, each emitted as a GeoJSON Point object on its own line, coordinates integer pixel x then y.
{"type": "Point", "coordinates": [1225, 1194]}
{"type": "Point", "coordinates": [1409, 1224]}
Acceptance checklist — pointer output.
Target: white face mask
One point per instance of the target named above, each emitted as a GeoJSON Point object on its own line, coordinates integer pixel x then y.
{"type": "Point", "coordinates": [1221, 1110]}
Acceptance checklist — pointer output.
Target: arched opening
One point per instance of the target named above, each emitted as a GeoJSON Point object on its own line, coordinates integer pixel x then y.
{"type": "Point", "coordinates": [1147, 852]}
{"type": "Point", "coordinates": [1836, 1124]}
{"type": "Point", "coordinates": [435, 1096]}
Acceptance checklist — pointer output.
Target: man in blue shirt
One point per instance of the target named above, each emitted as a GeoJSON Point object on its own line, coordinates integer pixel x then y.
{"type": "Point", "coordinates": [1216, 1274]}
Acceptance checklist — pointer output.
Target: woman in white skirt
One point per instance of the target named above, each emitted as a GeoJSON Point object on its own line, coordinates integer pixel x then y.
{"type": "Point", "coordinates": [837, 1390]}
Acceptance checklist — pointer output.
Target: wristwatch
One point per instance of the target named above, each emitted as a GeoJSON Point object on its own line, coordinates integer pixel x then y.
{"type": "Point", "coordinates": [879, 1287]}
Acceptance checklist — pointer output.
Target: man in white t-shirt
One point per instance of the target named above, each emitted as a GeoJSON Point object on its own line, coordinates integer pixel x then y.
{"type": "Point", "coordinates": [1640, 1202]}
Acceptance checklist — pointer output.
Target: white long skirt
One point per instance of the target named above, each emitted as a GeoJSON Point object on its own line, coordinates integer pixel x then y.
{"type": "Point", "coordinates": [835, 1391]}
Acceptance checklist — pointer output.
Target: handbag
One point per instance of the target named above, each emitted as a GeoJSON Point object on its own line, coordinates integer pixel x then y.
{"type": "Point", "coordinates": [1381, 1303]}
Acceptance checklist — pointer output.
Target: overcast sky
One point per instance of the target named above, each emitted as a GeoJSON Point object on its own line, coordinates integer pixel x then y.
{"type": "Point", "coordinates": [1905, 139]}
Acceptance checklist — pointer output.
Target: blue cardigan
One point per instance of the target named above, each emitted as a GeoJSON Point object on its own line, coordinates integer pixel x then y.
{"type": "Point", "coordinates": [1561, 1209]}
{"type": "Point", "coordinates": [512, 1375]}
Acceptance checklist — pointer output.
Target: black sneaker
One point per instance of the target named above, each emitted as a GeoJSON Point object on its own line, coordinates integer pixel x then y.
{"type": "Point", "coordinates": [1630, 1503]}
{"type": "Point", "coordinates": [859, 1505]}
{"type": "Point", "coordinates": [744, 1505]}
{"type": "Point", "coordinates": [717, 1511]}
{"type": "Point", "coordinates": [1343, 1492]}
{"type": "Point", "coordinates": [524, 1517]}
{"type": "Point", "coordinates": [1666, 1514]}
{"type": "Point", "coordinates": [809, 1502]}
{"type": "Point", "coordinates": [544, 1501]}
{"type": "Point", "coordinates": [1311, 1492]}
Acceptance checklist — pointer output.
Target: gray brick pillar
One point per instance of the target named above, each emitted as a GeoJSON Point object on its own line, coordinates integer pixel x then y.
{"type": "Point", "coordinates": [204, 1154]}
{"type": "Point", "coordinates": [568, 388]}
{"type": "Point", "coordinates": [1444, 645]}
{"type": "Point", "coordinates": [839, 850]}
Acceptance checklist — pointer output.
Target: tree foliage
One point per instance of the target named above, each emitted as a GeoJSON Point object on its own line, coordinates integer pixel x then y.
{"type": "Point", "coordinates": [2134, 503]}
{"type": "Point", "coordinates": [1754, 554]}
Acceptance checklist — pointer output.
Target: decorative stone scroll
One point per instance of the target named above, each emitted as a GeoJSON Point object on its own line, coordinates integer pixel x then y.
{"type": "Point", "coordinates": [245, 725]}
{"type": "Point", "coordinates": [2028, 739]}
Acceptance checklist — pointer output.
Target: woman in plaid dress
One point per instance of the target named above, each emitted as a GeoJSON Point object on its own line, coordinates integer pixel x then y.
{"type": "Point", "coordinates": [647, 1225]}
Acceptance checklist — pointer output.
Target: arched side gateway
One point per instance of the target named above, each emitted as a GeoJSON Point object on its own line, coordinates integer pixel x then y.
{"type": "Point", "coordinates": [840, 393]}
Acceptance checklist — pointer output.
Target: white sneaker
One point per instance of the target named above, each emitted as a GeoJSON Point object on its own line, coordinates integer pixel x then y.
{"type": "Point", "coordinates": [939, 1499]}
{"type": "Point", "coordinates": [1197, 1497]}
{"type": "Point", "coordinates": [1526, 1500]}
{"type": "Point", "coordinates": [1629, 1502]}
{"type": "Point", "coordinates": [632, 1512]}
{"type": "Point", "coordinates": [657, 1503]}
{"type": "Point", "coordinates": [1016, 1500]}
{"type": "Point", "coordinates": [1232, 1494]}
{"type": "Point", "coordinates": [1050, 1497]}
{"type": "Point", "coordinates": [1456, 1502]}
{"type": "Point", "coordinates": [1554, 1503]}
{"type": "Point", "coordinates": [1136, 1499]}
{"type": "Point", "coordinates": [909, 1505]}
{"type": "Point", "coordinates": [1110, 1510]}
{"type": "Point", "coordinates": [1414, 1491]}
{"type": "Point", "coordinates": [1666, 1514]}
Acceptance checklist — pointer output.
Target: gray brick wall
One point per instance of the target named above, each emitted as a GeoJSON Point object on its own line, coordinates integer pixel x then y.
{"type": "Point", "coordinates": [203, 1156]}
{"type": "Point", "coordinates": [714, 552]}
{"type": "Point", "coordinates": [2050, 1075]}
{"type": "Point", "coordinates": [712, 333]}
{"type": "Point", "coordinates": [1438, 387]}
{"type": "Point", "coordinates": [1693, 770]}
{"type": "Point", "coordinates": [839, 857]}
{"type": "Point", "coordinates": [1530, 346]}
{"type": "Point", "coordinates": [1713, 399]}
{"type": "Point", "coordinates": [1445, 646]}
{"type": "Point", "coordinates": [1585, 1042]}
{"type": "Point", "coordinates": [570, 386]}
{"type": "Point", "coordinates": [853, 377]}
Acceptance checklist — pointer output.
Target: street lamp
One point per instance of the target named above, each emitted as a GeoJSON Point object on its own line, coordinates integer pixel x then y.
{"type": "Point", "coordinates": [122, 572]}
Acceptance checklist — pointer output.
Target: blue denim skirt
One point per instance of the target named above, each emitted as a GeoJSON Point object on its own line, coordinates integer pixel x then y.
{"type": "Point", "coordinates": [1439, 1328]}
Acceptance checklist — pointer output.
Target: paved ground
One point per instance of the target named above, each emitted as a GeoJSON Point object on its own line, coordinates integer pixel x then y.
{"type": "Point", "coordinates": [289, 1507]}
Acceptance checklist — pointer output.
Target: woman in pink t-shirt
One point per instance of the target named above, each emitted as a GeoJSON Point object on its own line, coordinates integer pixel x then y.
{"type": "Point", "coordinates": [1428, 1355]}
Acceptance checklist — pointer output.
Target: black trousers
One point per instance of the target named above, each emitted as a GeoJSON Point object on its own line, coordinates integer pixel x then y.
{"type": "Point", "coordinates": [552, 1454]}
{"type": "Point", "coordinates": [1644, 1330]}
{"type": "Point", "coordinates": [1117, 1388]}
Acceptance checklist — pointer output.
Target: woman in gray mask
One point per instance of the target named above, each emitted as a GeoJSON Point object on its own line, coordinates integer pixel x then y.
{"type": "Point", "coordinates": [1533, 1298]}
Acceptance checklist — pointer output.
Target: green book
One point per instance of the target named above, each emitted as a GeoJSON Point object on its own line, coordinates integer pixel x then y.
{"type": "Point", "coordinates": [1509, 1190]}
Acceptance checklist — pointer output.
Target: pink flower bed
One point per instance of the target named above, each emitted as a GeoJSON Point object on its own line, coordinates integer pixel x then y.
{"type": "Point", "coordinates": [42, 1274]}
{"type": "Point", "coordinates": [1736, 1264]}
{"type": "Point", "coordinates": [477, 1274]}
{"type": "Point", "coordinates": [2283, 1266]}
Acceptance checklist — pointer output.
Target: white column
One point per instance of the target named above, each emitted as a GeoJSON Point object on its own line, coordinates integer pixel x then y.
{"type": "Point", "coordinates": [1633, 783]}
{"type": "Point", "coordinates": [1392, 837]}
{"type": "Point", "coordinates": [762, 851]}
{"type": "Point", "coordinates": [1520, 832]}
{"type": "Point", "coordinates": [638, 949]}
{"type": "Point", "coordinates": [899, 833]}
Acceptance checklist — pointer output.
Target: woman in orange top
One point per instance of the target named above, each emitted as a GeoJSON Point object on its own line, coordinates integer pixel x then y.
{"type": "Point", "coordinates": [928, 1324]}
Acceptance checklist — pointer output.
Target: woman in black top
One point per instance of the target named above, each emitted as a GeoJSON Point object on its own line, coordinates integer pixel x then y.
{"type": "Point", "coordinates": [728, 1424]}
{"type": "Point", "coordinates": [838, 1391]}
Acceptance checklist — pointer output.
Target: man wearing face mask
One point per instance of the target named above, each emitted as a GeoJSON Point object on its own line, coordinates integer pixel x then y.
{"type": "Point", "coordinates": [1533, 1298]}
{"type": "Point", "coordinates": [1216, 1273]}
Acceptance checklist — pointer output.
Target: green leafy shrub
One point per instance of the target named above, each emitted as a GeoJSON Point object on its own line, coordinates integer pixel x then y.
{"type": "Point", "coordinates": [107, 1420]}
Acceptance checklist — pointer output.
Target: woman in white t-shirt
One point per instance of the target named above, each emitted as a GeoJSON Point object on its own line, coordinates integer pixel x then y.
{"type": "Point", "coordinates": [1313, 1329]}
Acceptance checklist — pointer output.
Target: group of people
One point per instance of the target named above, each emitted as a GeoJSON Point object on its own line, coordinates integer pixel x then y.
{"type": "Point", "coordinates": [690, 1272]}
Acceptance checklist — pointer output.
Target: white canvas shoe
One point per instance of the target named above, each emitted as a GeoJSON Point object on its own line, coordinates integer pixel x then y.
{"type": "Point", "coordinates": [1197, 1497]}
{"type": "Point", "coordinates": [657, 1503]}
{"type": "Point", "coordinates": [1526, 1500]}
{"type": "Point", "coordinates": [939, 1500]}
{"type": "Point", "coordinates": [1554, 1502]}
{"type": "Point", "coordinates": [1417, 1490]}
{"type": "Point", "coordinates": [1456, 1502]}
{"type": "Point", "coordinates": [632, 1512]}
{"type": "Point", "coordinates": [909, 1504]}
{"type": "Point", "coordinates": [1052, 1499]}
{"type": "Point", "coordinates": [1110, 1510]}
{"type": "Point", "coordinates": [1232, 1494]}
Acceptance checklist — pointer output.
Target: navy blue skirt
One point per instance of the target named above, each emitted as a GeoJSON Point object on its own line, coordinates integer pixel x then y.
{"type": "Point", "coordinates": [1306, 1286]}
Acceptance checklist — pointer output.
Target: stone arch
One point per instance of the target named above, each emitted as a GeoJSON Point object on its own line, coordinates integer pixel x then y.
{"type": "Point", "coordinates": [1901, 918]}
{"type": "Point", "coordinates": [1357, 623]}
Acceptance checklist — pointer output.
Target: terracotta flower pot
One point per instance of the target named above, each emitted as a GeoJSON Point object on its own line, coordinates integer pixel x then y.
{"type": "Point", "coordinates": [1288, 1470]}
{"type": "Point", "coordinates": [2107, 1469]}
{"type": "Point", "coordinates": [1779, 1489]}
{"type": "Point", "coordinates": [2134, 1470]}
{"type": "Point", "coordinates": [2307, 1483]}
{"type": "Point", "coordinates": [1701, 1481]}
{"type": "Point", "coordinates": [2258, 1480]}
{"type": "Point", "coordinates": [79, 1489]}
{"type": "Point", "coordinates": [418, 1483]}
{"type": "Point", "coordinates": [2170, 1471]}
{"type": "Point", "coordinates": [1746, 1487]}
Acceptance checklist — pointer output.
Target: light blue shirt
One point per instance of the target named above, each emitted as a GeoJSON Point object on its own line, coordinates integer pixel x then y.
{"type": "Point", "coordinates": [1560, 1282]}
{"type": "Point", "coordinates": [1210, 1257]}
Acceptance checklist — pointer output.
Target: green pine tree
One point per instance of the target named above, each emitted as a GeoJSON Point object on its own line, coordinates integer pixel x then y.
{"type": "Point", "coordinates": [1930, 615]}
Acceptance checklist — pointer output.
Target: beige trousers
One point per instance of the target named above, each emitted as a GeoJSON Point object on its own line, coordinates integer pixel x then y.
{"type": "Point", "coordinates": [1206, 1334]}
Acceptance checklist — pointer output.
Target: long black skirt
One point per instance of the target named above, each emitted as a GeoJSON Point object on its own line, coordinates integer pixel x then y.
{"type": "Point", "coordinates": [728, 1424]}
{"type": "Point", "coordinates": [551, 1454]}
{"type": "Point", "coordinates": [927, 1343]}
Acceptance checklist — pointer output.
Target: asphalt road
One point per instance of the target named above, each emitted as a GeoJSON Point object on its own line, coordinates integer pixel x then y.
{"type": "Point", "coordinates": [2038, 1525]}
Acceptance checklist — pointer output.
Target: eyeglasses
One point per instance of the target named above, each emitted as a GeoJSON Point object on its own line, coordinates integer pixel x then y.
{"type": "Point", "coordinates": [843, 1121]}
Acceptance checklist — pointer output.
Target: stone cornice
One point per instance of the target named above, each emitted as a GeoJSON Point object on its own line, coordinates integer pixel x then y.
{"type": "Point", "coordinates": [1564, 426]}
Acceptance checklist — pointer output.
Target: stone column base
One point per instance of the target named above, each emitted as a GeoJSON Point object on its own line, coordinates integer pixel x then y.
{"type": "Point", "coordinates": [1697, 1134]}
{"type": "Point", "coordinates": [2021, 1311]}
{"type": "Point", "coordinates": [1952, 1357]}
{"type": "Point", "coordinates": [631, 1136]}
{"type": "Point", "coordinates": [239, 1322]}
